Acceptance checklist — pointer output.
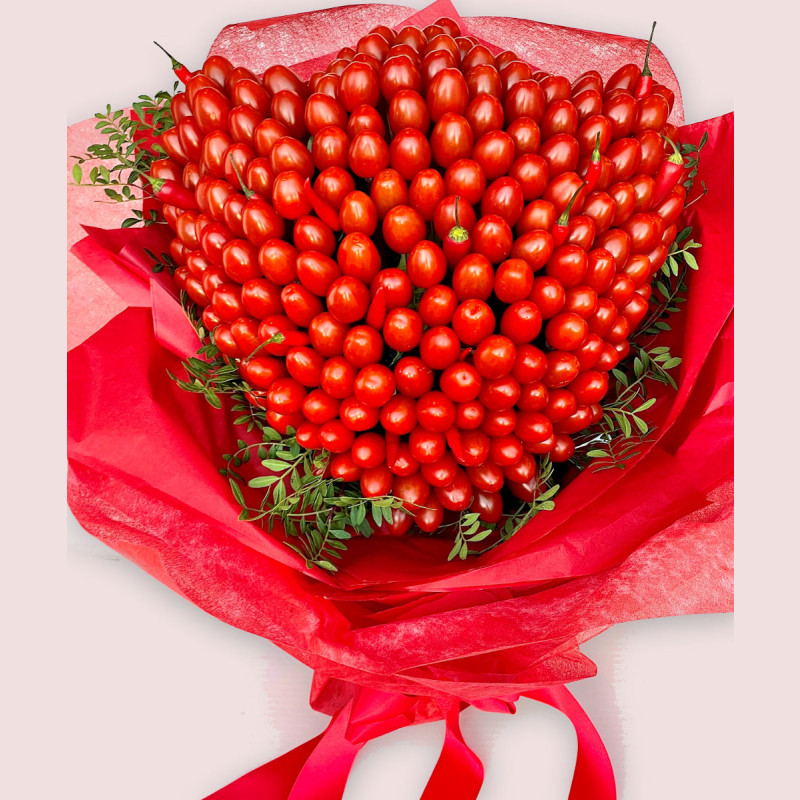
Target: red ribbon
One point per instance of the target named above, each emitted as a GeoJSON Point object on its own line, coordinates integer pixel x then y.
{"type": "Point", "coordinates": [318, 769]}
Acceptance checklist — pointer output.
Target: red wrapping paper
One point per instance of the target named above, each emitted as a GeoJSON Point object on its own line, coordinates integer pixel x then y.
{"type": "Point", "coordinates": [652, 540]}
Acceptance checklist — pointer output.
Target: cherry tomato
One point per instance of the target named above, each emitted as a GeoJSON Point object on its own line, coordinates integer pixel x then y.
{"type": "Point", "coordinates": [524, 98]}
{"type": "Point", "coordinates": [485, 111]}
{"type": "Point", "coordinates": [338, 377]}
{"type": "Point", "coordinates": [491, 237]}
{"type": "Point", "coordinates": [288, 197]}
{"type": "Point", "coordinates": [358, 214]}
{"type": "Point", "coordinates": [439, 347]}
{"type": "Point", "coordinates": [317, 272]}
{"type": "Point", "coordinates": [408, 109]}
{"type": "Point", "coordinates": [358, 85]}
{"type": "Point", "coordinates": [521, 321]}
{"type": "Point", "coordinates": [568, 264]}
{"type": "Point", "coordinates": [363, 345]}
{"type": "Point", "coordinates": [427, 190]}
{"type": "Point", "coordinates": [388, 190]}
{"type": "Point", "coordinates": [402, 329]}
{"type": "Point", "coordinates": [330, 148]}
{"type": "Point", "coordinates": [456, 496]}
{"type": "Point", "coordinates": [474, 320]}
{"type": "Point", "coordinates": [300, 304]}
{"type": "Point", "coordinates": [451, 139]}
{"type": "Point", "coordinates": [320, 407]}
{"type": "Point", "coordinates": [396, 285]}
{"type": "Point", "coordinates": [495, 151]}
{"type": "Point", "coordinates": [403, 227]}
{"type": "Point", "coordinates": [566, 331]}
{"type": "Point", "coordinates": [495, 356]}
{"type": "Point", "coordinates": [398, 416]}
{"type": "Point", "coordinates": [413, 376]}
{"type": "Point", "coordinates": [562, 368]}
{"type": "Point", "coordinates": [437, 306]}
{"type": "Point", "coordinates": [368, 154]}
{"type": "Point", "coordinates": [427, 446]}
{"type": "Point", "coordinates": [358, 257]}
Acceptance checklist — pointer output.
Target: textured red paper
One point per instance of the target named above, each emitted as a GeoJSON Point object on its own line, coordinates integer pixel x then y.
{"type": "Point", "coordinates": [653, 540]}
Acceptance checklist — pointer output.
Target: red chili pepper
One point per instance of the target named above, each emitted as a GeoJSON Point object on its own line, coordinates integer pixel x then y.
{"type": "Point", "coordinates": [456, 244]}
{"type": "Point", "coordinates": [281, 342]}
{"type": "Point", "coordinates": [182, 72]}
{"type": "Point", "coordinates": [669, 174]}
{"type": "Point", "coordinates": [173, 193]}
{"type": "Point", "coordinates": [392, 448]}
{"type": "Point", "coordinates": [377, 309]}
{"type": "Point", "coordinates": [560, 230]}
{"type": "Point", "coordinates": [645, 83]}
{"type": "Point", "coordinates": [595, 167]}
{"type": "Point", "coordinates": [453, 437]}
{"type": "Point", "coordinates": [322, 209]}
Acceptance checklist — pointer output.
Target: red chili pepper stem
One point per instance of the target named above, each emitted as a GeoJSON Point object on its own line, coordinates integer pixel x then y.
{"type": "Point", "coordinates": [645, 84]}
{"type": "Point", "coordinates": [676, 157]}
{"type": "Point", "coordinates": [182, 73]}
{"type": "Point", "coordinates": [456, 243]}
{"type": "Point", "coordinates": [595, 167]}
{"type": "Point", "coordinates": [560, 230]}
{"type": "Point", "coordinates": [248, 193]}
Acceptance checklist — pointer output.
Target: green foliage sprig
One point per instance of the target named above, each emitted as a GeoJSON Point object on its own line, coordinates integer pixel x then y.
{"type": "Point", "coordinates": [121, 180]}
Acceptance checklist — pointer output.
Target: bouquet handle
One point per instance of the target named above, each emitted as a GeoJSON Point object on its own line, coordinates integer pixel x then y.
{"type": "Point", "coordinates": [319, 768]}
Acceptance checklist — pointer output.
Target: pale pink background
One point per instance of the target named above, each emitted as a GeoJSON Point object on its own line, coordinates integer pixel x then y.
{"type": "Point", "coordinates": [109, 680]}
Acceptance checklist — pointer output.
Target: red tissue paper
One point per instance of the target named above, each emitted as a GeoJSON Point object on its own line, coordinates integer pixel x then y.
{"type": "Point", "coordinates": [400, 636]}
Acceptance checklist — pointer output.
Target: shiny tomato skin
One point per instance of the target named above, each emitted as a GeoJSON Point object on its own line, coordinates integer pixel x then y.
{"type": "Point", "coordinates": [330, 148]}
{"type": "Point", "coordinates": [363, 345]}
{"type": "Point", "coordinates": [403, 228]}
{"type": "Point", "coordinates": [348, 299]}
{"type": "Point", "coordinates": [402, 329]}
{"type": "Point", "coordinates": [358, 214]}
{"type": "Point", "coordinates": [495, 356]}
{"type": "Point", "coordinates": [456, 496]}
{"type": "Point", "coordinates": [261, 298]}
{"type": "Point", "coordinates": [484, 114]}
{"type": "Point", "coordinates": [439, 347]}
{"type": "Point", "coordinates": [531, 172]}
{"type": "Point", "coordinates": [451, 139]}
{"type": "Point", "coordinates": [427, 446]}
{"type": "Point", "coordinates": [568, 264]}
{"type": "Point", "coordinates": [317, 272]}
{"type": "Point", "coordinates": [397, 287]}
{"type": "Point", "coordinates": [426, 191]}
{"type": "Point", "coordinates": [444, 217]}
{"type": "Point", "coordinates": [319, 407]}
{"type": "Point", "coordinates": [388, 189]}
{"type": "Point", "coordinates": [408, 109]}
{"type": "Point", "coordinates": [491, 237]}
{"type": "Point", "coordinates": [562, 368]}
{"type": "Point", "coordinates": [447, 92]}
{"type": "Point", "coordinates": [312, 234]}
{"type": "Point", "coordinates": [521, 322]}
{"type": "Point", "coordinates": [413, 377]}
{"type": "Point", "coordinates": [358, 257]}
{"type": "Point", "coordinates": [426, 265]}
{"type": "Point", "coordinates": [398, 416]}
{"type": "Point", "coordinates": [473, 321]}
{"type": "Point", "coordinates": [524, 99]}
{"type": "Point", "coordinates": [358, 85]}
{"type": "Point", "coordinates": [338, 377]}
{"type": "Point", "coordinates": [438, 305]}
{"type": "Point", "coordinates": [495, 152]}
{"type": "Point", "coordinates": [368, 154]}
{"type": "Point", "coordinates": [461, 383]}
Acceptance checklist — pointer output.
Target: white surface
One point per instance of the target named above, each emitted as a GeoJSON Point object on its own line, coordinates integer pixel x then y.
{"type": "Point", "coordinates": [167, 702]}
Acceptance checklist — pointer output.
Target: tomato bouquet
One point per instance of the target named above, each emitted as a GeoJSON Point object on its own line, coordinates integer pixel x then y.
{"type": "Point", "coordinates": [437, 291]}
{"type": "Point", "coordinates": [417, 269]}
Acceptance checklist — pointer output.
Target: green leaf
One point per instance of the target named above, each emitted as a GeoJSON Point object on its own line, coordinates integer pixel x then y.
{"type": "Point", "coordinates": [673, 362]}
{"type": "Point", "coordinates": [691, 260]}
{"type": "Point", "coordinates": [237, 492]}
{"type": "Point", "coordinates": [598, 454]}
{"type": "Point", "coordinates": [77, 173]}
{"type": "Point", "coordinates": [455, 551]}
{"type": "Point", "coordinates": [644, 406]}
{"type": "Point", "coordinates": [274, 464]}
{"type": "Point", "coordinates": [261, 482]}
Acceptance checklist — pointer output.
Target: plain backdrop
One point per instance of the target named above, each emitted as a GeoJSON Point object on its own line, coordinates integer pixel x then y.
{"type": "Point", "coordinates": [114, 687]}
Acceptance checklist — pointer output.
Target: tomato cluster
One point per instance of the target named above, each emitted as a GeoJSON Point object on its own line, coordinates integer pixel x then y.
{"type": "Point", "coordinates": [437, 377]}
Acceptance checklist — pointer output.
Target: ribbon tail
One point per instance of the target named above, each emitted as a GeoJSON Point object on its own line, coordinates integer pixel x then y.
{"type": "Point", "coordinates": [594, 776]}
{"type": "Point", "coordinates": [316, 770]}
{"type": "Point", "coordinates": [458, 774]}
